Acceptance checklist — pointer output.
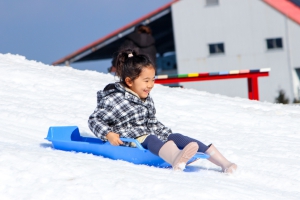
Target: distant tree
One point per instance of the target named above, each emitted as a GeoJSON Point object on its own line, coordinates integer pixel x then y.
{"type": "Point", "coordinates": [296, 100]}
{"type": "Point", "coordinates": [281, 98]}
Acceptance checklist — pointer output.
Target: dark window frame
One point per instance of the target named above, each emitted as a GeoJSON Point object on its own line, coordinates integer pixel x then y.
{"type": "Point", "coordinates": [274, 43]}
{"type": "Point", "coordinates": [216, 48]}
{"type": "Point", "coordinates": [297, 70]}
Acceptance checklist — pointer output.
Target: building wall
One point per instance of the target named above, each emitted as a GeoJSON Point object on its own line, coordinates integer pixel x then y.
{"type": "Point", "coordinates": [243, 27]}
{"type": "Point", "coordinates": [293, 33]}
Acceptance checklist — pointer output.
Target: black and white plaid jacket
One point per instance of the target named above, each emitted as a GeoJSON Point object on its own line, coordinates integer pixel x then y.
{"type": "Point", "coordinates": [122, 112]}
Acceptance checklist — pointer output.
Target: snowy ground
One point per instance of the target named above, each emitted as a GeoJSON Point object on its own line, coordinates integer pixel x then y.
{"type": "Point", "coordinates": [262, 138]}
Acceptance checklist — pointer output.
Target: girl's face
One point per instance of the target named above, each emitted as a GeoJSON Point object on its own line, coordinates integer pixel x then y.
{"type": "Point", "coordinates": [144, 83]}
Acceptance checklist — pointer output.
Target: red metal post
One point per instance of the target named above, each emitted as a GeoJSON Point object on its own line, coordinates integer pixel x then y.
{"type": "Point", "coordinates": [253, 88]}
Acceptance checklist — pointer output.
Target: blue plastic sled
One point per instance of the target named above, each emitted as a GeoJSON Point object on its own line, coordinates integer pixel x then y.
{"type": "Point", "coordinates": [67, 138]}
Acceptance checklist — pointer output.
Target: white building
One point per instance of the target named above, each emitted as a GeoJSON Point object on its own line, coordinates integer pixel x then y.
{"type": "Point", "coordinates": [220, 35]}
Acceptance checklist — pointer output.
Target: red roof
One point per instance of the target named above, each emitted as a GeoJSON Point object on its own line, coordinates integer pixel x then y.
{"type": "Point", "coordinates": [287, 8]}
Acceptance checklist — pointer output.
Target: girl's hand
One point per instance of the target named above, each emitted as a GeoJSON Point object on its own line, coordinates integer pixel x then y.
{"type": "Point", "coordinates": [114, 138]}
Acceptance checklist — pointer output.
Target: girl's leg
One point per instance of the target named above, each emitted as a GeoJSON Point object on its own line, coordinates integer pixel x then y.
{"type": "Point", "coordinates": [218, 159]}
{"type": "Point", "coordinates": [153, 144]}
{"type": "Point", "coordinates": [169, 151]}
{"type": "Point", "coordinates": [215, 156]}
{"type": "Point", "coordinates": [181, 141]}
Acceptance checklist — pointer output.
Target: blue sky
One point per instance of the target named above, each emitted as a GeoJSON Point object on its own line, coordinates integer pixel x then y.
{"type": "Point", "coordinates": [47, 30]}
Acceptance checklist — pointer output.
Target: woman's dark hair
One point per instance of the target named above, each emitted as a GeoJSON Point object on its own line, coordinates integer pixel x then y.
{"type": "Point", "coordinates": [143, 29]}
{"type": "Point", "coordinates": [130, 64]}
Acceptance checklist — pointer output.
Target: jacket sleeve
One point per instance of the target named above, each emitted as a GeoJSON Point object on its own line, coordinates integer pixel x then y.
{"type": "Point", "coordinates": [101, 120]}
{"type": "Point", "coordinates": [159, 128]}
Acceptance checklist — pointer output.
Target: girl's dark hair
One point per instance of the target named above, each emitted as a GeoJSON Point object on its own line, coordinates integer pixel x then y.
{"type": "Point", "coordinates": [130, 64]}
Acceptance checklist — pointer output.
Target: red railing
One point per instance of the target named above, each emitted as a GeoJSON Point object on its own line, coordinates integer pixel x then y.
{"type": "Point", "coordinates": [251, 75]}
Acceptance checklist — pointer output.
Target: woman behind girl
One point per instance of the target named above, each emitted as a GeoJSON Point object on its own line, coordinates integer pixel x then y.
{"type": "Point", "coordinates": [125, 109]}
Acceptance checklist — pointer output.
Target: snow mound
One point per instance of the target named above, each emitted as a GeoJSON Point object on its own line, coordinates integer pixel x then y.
{"type": "Point", "coordinates": [261, 138]}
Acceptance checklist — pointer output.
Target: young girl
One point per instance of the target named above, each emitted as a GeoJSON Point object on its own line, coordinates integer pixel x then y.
{"type": "Point", "coordinates": [125, 109]}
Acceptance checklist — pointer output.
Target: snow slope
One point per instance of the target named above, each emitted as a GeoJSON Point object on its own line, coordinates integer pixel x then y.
{"type": "Point", "coordinates": [262, 138]}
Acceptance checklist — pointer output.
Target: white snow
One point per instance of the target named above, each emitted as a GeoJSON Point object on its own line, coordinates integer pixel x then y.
{"type": "Point", "coordinates": [263, 139]}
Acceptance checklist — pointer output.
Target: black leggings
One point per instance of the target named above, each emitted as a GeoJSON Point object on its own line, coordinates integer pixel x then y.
{"type": "Point", "coordinates": [153, 144]}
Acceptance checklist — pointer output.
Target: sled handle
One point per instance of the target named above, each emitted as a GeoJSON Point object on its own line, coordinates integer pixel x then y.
{"type": "Point", "coordinates": [138, 145]}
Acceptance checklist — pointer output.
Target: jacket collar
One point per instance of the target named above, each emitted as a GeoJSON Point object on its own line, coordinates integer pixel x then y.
{"type": "Point", "coordinates": [130, 95]}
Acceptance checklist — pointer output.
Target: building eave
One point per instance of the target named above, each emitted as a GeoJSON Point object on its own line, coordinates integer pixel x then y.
{"type": "Point", "coordinates": [119, 33]}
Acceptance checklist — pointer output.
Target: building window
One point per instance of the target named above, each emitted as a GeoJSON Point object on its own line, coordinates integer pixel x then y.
{"type": "Point", "coordinates": [217, 48]}
{"type": "Point", "coordinates": [298, 72]}
{"type": "Point", "coordinates": [212, 2]}
{"type": "Point", "coordinates": [274, 43]}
